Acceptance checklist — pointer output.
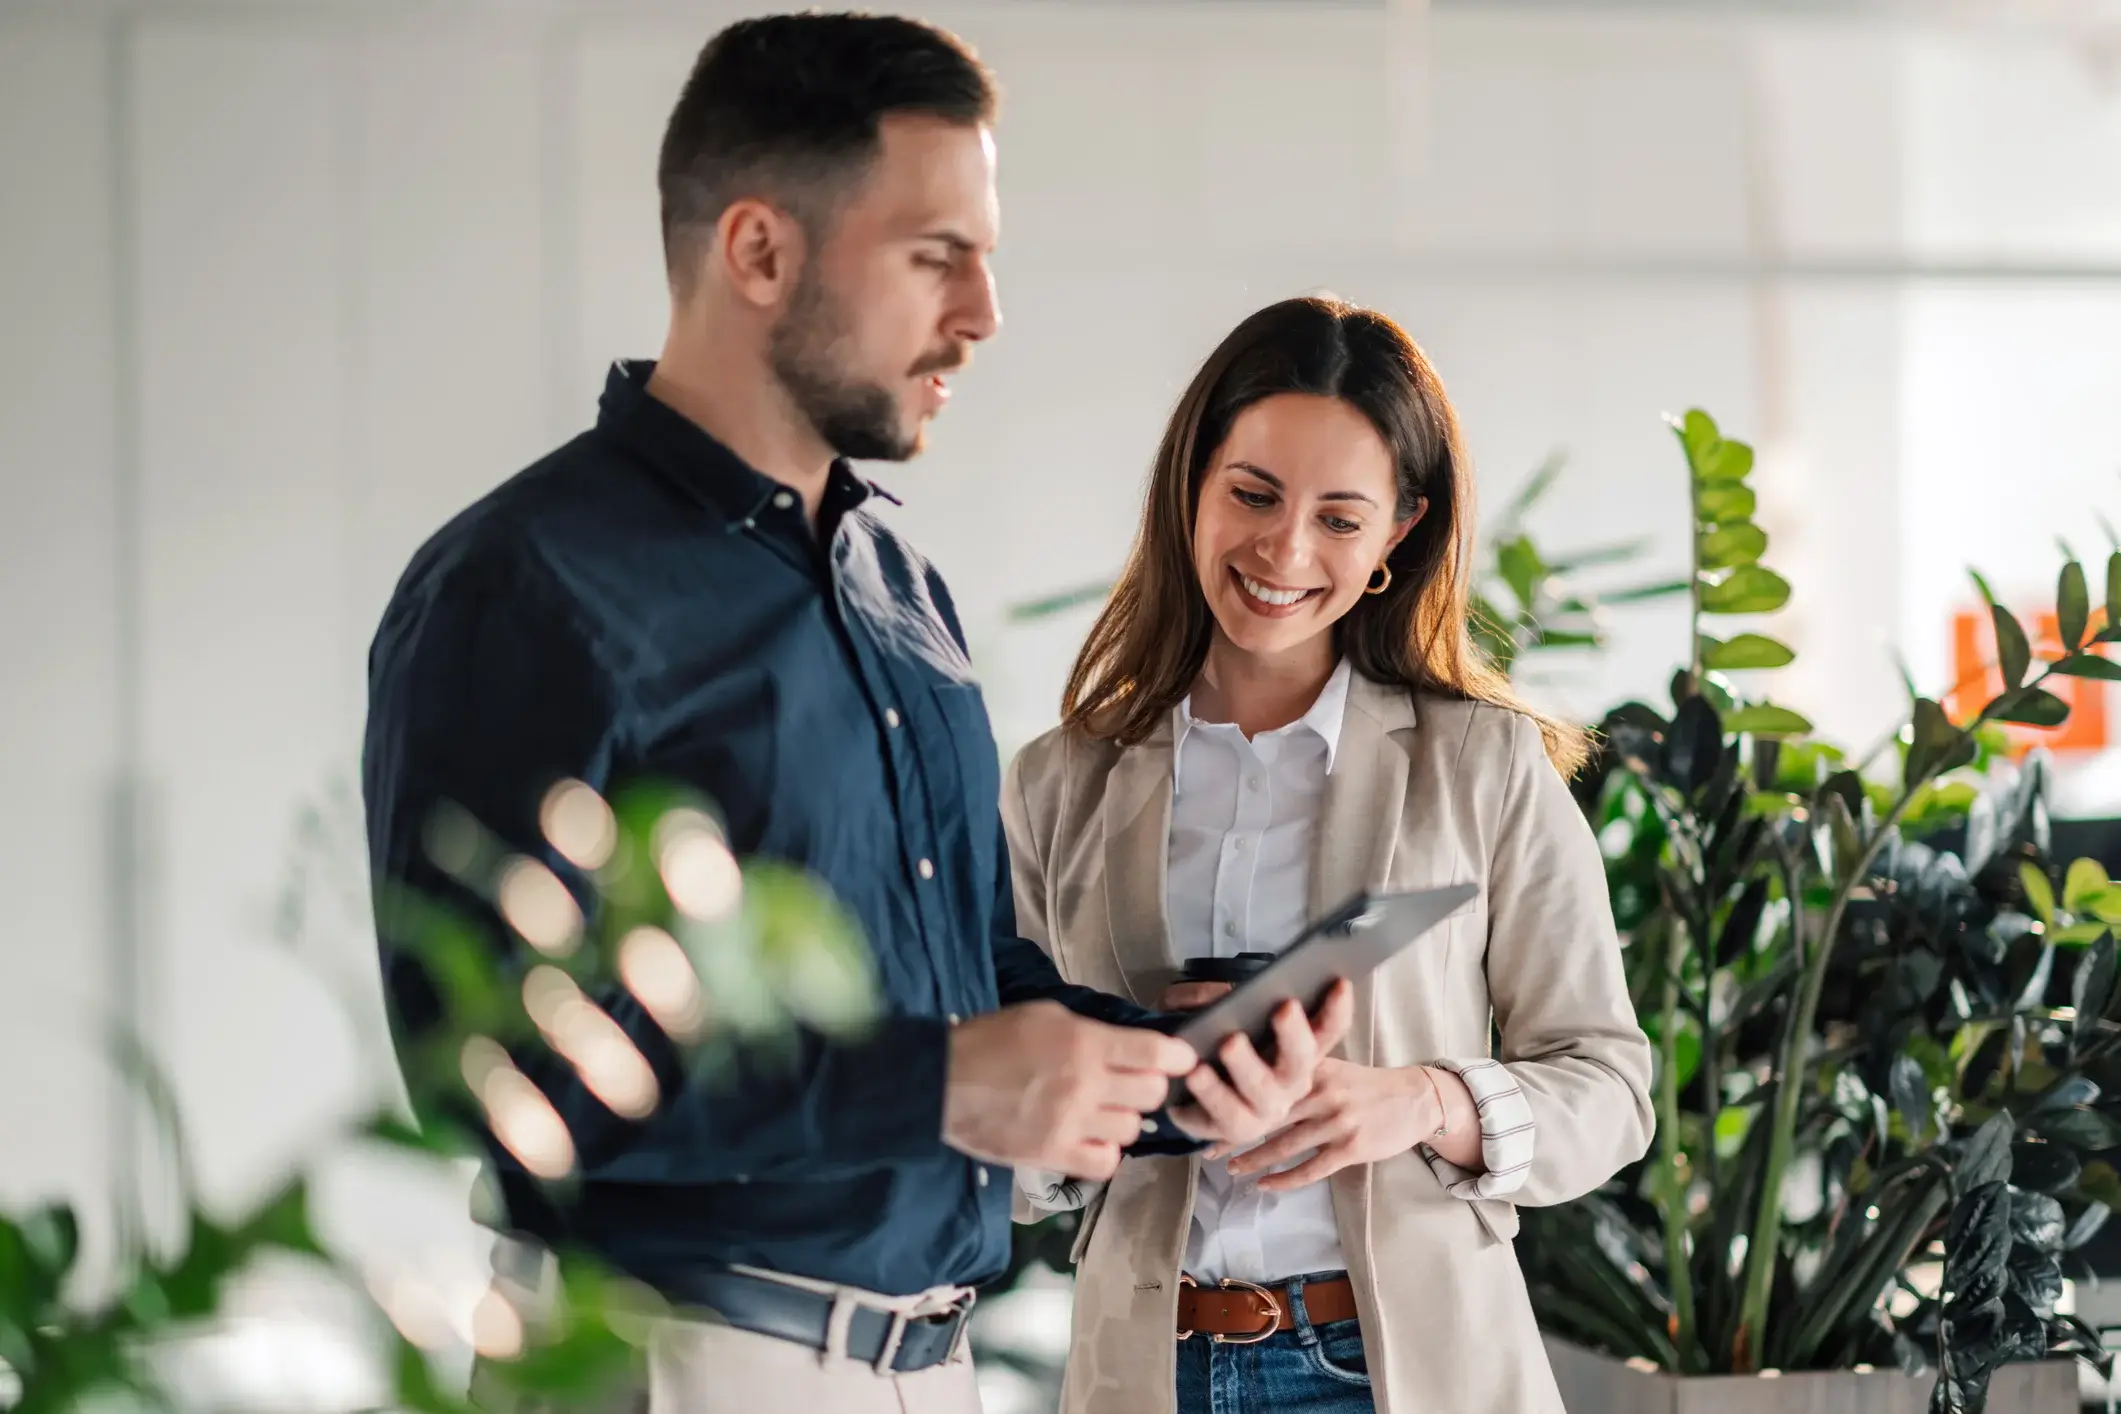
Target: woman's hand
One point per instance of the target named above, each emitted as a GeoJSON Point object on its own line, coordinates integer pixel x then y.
{"type": "Point", "coordinates": [1259, 1098]}
{"type": "Point", "coordinates": [1191, 996]}
{"type": "Point", "coordinates": [1358, 1114]}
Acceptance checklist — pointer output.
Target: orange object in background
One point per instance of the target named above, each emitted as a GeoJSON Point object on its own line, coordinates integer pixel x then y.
{"type": "Point", "coordinates": [1974, 670]}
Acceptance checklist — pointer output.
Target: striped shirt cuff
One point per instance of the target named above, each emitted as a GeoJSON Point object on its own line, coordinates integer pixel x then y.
{"type": "Point", "coordinates": [1050, 1192]}
{"type": "Point", "coordinates": [1506, 1133]}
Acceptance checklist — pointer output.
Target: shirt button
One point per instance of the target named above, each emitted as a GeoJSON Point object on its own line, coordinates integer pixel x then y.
{"type": "Point", "coordinates": [1229, 930]}
{"type": "Point", "coordinates": [1251, 783]}
{"type": "Point", "coordinates": [891, 716]}
{"type": "Point", "coordinates": [954, 1018]}
{"type": "Point", "coordinates": [983, 1177]}
{"type": "Point", "coordinates": [927, 868]}
{"type": "Point", "coordinates": [782, 500]}
{"type": "Point", "coordinates": [1238, 843]}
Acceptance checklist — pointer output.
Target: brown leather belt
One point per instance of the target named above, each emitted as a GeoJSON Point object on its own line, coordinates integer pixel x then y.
{"type": "Point", "coordinates": [1239, 1313]}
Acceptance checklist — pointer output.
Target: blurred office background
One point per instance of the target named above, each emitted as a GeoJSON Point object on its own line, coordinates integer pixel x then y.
{"type": "Point", "coordinates": [284, 283]}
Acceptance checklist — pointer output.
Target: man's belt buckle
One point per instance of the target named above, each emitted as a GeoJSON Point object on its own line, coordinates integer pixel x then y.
{"type": "Point", "coordinates": [959, 1315]}
{"type": "Point", "coordinates": [1274, 1312]}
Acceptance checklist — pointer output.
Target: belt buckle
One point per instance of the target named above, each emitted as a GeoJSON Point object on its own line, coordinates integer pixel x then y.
{"type": "Point", "coordinates": [960, 1312]}
{"type": "Point", "coordinates": [963, 1317]}
{"type": "Point", "coordinates": [1273, 1306]}
{"type": "Point", "coordinates": [1185, 1279]}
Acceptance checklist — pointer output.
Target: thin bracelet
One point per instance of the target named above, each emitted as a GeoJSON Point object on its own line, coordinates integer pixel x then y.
{"type": "Point", "coordinates": [1443, 1117]}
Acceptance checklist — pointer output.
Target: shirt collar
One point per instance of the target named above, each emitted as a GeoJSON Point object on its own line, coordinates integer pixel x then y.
{"type": "Point", "coordinates": [1323, 720]}
{"type": "Point", "coordinates": [682, 450]}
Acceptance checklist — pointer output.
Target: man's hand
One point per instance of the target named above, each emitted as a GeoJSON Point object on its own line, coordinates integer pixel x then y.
{"type": "Point", "coordinates": [1355, 1114]}
{"type": "Point", "coordinates": [1040, 1087]}
{"type": "Point", "coordinates": [1258, 1098]}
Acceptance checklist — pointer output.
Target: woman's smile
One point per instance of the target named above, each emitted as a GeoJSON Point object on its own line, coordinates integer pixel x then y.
{"type": "Point", "coordinates": [1268, 599]}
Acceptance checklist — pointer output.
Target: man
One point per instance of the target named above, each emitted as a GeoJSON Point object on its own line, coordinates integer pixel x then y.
{"type": "Point", "coordinates": [698, 589]}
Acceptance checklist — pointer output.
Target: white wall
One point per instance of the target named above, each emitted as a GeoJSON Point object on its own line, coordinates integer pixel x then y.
{"type": "Point", "coordinates": [59, 616]}
{"type": "Point", "coordinates": [379, 263]}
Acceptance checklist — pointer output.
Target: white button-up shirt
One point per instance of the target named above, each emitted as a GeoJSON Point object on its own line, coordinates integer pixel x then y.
{"type": "Point", "coordinates": [1244, 820]}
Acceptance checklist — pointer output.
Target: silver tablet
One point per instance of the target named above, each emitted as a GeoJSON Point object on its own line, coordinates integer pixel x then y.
{"type": "Point", "coordinates": [1350, 942]}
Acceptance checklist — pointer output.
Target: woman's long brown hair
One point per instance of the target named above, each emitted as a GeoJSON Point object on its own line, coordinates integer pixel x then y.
{"type": "Point", "coordinates": [1148, 645]}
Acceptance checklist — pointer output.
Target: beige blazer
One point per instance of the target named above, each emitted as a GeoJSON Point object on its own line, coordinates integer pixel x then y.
{"type": "Point", "coordinates": [1425, 792]}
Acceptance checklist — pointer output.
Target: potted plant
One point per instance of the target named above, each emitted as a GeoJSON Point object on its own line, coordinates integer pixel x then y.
{"type": "Point", "coordinates": [722, 955]}
{"type": "Point", "coordinates": [1872, 1055]}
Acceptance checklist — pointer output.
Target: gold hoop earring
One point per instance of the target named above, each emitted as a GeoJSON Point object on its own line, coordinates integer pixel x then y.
{"type": "Point", "coordinates": [1374, 587]}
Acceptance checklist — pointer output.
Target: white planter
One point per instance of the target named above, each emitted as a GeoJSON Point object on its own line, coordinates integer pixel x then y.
{"type": "Point", "coordinates": [1598, 1384]}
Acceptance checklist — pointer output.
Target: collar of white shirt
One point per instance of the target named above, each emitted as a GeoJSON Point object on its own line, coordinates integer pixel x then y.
{"type": "Point", "coordinates": [1324, 719]}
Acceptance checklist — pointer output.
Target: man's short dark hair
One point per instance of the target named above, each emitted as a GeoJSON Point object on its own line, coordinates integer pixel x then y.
{"type": "Point", "coordinates": [787, 107]}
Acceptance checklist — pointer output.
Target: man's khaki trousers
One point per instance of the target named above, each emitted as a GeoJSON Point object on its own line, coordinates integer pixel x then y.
{"type": "Point", "coordinates": [695, 1365]}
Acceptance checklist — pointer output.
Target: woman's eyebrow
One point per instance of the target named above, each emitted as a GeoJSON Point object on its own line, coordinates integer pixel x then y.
{"type": "Point", "coordinates": [1272, 480]}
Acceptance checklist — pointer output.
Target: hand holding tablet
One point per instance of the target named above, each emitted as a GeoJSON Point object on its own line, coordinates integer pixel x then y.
{"type": "Point", "coordinates": [1348, 943]}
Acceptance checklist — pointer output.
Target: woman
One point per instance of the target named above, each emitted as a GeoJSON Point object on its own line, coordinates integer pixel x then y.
{"type": "Point", "coordinates": [1281, 706]}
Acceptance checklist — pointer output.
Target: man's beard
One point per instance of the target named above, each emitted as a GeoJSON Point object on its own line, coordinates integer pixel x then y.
{"type": "Point", "coordinates": [857, 419]}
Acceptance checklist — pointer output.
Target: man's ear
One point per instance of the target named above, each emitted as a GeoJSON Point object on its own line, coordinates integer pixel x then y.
{"type": "Point", "coordinates": [758, 252]}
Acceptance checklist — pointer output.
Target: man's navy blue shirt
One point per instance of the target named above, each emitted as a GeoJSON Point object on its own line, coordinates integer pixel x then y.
{"type": "Point", "coordinates": [642, 605]}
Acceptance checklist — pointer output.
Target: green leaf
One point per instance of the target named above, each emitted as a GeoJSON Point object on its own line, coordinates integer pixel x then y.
{"type": "Point", "coordinates": [2078, 934]}
{"type": "Point", "coordinates": [1618, 553]}
{"type": "Point", "coordinates": [1521, 568]}
{"type": "Point", "coordinates": [1536, 485]}
{"type": "Point", "coordinates": [1748, 650]}
{"type": "Point", "coordinates": [2086, 1226]}
{"type": "Point", "coordinates": [1986, 1157]}
{"type": "Point", "coordinates": [2039, 893]}
{"type": "Point", "coordinates": [2113, 592]}
{"type": "Point", "coordinates": [1638, 593]}
{"type": "Point", "coordinates": [2100, 1183]}
{"type": "Point", "coordinates": [2091, 990]}
{"type": "Point", "coordinates": [418, 1392]}
{"type": "Point", "coordinates": [2013, 654]}
{"type": "Point", "coordinates": [1723, 503]}
{"type": "Point", "coordinates": [2029, 706]}
{"type": "Point", "coordinates": [1841, 830]}
{"type": "Point", "coordinates": [2089, 665]}
{"type": "Point", "coordinates": [1726, 461]}
{"type": "Point", "coordinates": [2079, 1126]}
{"type": "Point", "coordinates": [1911, 1095]}
{"type": "Point", "coordinates": [2083, 884]}
{"type": "Point", "coordinates": [1937, 745]}
{"type": "Point", "coordinates": [1987, 596]}
{"type": "Point", "coordinates": [1765, 719]}
{"type": "Point", "coordinates": [1754, 589]}
{"type": "Point", "coordinates": [1727, 546]}
{"type": "Point", "coordinates": [1698, 433]}
{"type": "Point", "coordinates": [52, 1237]}
{"type": "Point", "coordinates": [2073, 608]}
{"type": "Point", "coordinates": [282, 1224]}
{"type": "Point", "coordinates": [1686, 1055]}
{"type": "Point", "coordinates": [1045, 607]}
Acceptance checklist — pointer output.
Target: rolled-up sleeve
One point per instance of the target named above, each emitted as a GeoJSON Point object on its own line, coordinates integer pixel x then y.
{"type": "Point", "coordinates": [1508, 1133]}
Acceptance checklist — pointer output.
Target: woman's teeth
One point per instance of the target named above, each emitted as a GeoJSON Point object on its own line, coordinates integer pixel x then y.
{"type": "Point", "coordinates": [1280, 598]}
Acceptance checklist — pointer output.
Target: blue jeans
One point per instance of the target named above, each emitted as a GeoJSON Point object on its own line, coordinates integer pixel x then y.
{"type": "Point", "coordinates": [1309, 1370]}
